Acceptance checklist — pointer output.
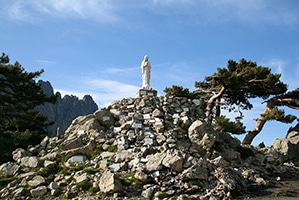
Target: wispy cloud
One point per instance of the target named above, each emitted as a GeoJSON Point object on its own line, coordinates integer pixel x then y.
{"type": "Point", "coordinates": [277, 65]}
{"type": "Point", "coordinates": [114, 70]}
{"type": "Point", "coordinates": [46, 62]}
{"type": "Point", "coordinates": [104, 92]}
{"type": "Point", "coordinates": [252, 12]}
{"type": "Point", "coordinates": [109, 90]}
{"type": "Point", "coordinates": [106, 11]}
{"type": "Point", "coordinates": [290, 76]}
{"type": "Point", "coordinates": [35, 10]}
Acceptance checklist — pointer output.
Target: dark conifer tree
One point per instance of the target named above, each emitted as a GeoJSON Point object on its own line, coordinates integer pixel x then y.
{"type": "Point", "coordinates": [231, 88]}
{"type": "Point", "coordinates": [20, 124]}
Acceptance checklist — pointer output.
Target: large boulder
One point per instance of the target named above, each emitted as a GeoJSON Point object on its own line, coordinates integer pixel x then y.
{"type": "Point", "coordinates": [109, 182]}
{"type": "Point", "coordinates": [202, 136]}
{"type": "Point", "coordinates": [9, 168]}
{"type": "Point", "coordinates": [19, 153]}
{"type": "Point", "coordinates": [31, 161]}
{"type": "Point", "coordinates": [105, 117]}
{"type": "Point", "coordinates": [288, 147]}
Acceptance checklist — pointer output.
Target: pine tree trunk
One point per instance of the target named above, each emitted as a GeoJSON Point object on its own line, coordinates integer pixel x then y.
{"type": "Point", "coordinates": [211, 104]}
{"type": "Point", "coordinates": [259, 124]}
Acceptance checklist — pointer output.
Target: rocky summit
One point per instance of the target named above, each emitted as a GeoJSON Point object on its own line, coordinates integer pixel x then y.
{"type": "Point", "coordinates": [64, 110]}
{"type": "Point", "coordinates": [144, 148]}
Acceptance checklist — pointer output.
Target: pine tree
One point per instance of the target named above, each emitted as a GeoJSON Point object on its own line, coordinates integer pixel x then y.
{"type": "Point", "coordinates": [231, 88]}
{"type": "Point", "coordinates": [20, 124]}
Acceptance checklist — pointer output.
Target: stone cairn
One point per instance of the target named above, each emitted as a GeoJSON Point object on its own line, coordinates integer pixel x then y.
{"type": "Point", "coordinates": [141, 148]}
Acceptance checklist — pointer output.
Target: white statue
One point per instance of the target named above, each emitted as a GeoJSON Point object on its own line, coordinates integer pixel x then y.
{"type": "Point", "coordinates": [146, 73]}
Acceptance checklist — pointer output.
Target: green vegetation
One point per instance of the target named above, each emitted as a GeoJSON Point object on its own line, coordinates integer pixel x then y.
{"type": "Point", "coordinates": [245, 152]}
{"type": "Point", "coordinates": [94, 190]}
{"type": "Point", "coordinates": [84, 185]}
{"type": "Point", "coordinates": [64, 158]}
{"type": "Point", "coordinates": [232, 87]}
{"type": "Point", "coordinates": [20, 124]}
{"type": "Point", "coordinates": [131, 180]}
{"type": "Point", "coordinates": [5, 180]}
{"type": "Point", "coordinates": [162, 195]}
{"type": "Point", "coordinates": [86, 119]}
{"type": "Point", "coordinates": [178, 91]}
{"type": "Point", "coordinates": [112, 148]}
{"type": "Point", "coordinates": [196, 182]}
{"type": "Point", "coordinates": [97, 150]}
{"type": "Point", "coordinates": [224, 124]}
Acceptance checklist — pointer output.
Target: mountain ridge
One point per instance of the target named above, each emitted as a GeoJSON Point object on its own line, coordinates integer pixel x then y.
{"type": "Point", "coordinates": [65, 109]}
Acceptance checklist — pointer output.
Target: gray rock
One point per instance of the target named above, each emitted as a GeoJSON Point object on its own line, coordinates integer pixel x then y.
{"type": "Point", "coordinates": [72, 143]}
{"type": "Point", "coordinates": [53, 156]}
{"type": "Point", "coordinates": [109, 182]}
{"type": "Point", "coordinates": [9, 168]}
{"type": "Point", "coordinates": [53, 186]}
{"type": "Point", "coordinates": [31, 161]}
{"type": "Point", "coordinates": [202, 136]}
{"type": "Point", "coordinates": [154, 162]}
{"type": "Point", "coordinates": [77, 159]}
{"type": "Point", "coordinates": [36, 181]}
{"type": "Point", "coordinates": [81, 177]}
{"type": "Point", "coordinates": [158, 113]}
{"type": "Point", "coordinates": [44, 142]}
{"type": "Point", "coordinates": [19, 153]}
{"type": "Point", "coordinates": [65, 109]}
{"type": "Point", "coordinates": [105, 117]}
{"type": "Point", "coordinates": [19, 192]}
{"type": "Point", "coordinates": [148, 193]}
{"type": "Point", "coordinates": [173, 161]}
{"type": "Point", "coordinates": [38, 192]}
{"type": "Point", "coordinates": [49, 164]}
{"type": "Point", "coordinates": [198, 171]}
{"type": "Point", "coordinates": [288, 147]}
{"type": "Point", "coordinates": [83, 150]}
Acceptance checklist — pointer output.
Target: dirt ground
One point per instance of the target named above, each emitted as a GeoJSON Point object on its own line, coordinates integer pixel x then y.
{"type": "Point", "coordinates": [287, 188]}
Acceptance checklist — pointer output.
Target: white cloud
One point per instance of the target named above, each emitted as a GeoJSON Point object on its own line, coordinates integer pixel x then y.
{"type": "Point", "coordinates": [107, 11]}
{"type": "Point", "coordinates": [108, 90]}
{"type": "Point", "coordinates": [252, 12]}
{"type": "Point", "coordinates": [35, 10]}
{"type": "Point", "coordinates": [46, 62]}
{"type": "Point", "coordinates": [114, 70]}
{"type": "Point", "coordinates": [104, 92]}
{"type": "Point", "coordinates": [277, 65]}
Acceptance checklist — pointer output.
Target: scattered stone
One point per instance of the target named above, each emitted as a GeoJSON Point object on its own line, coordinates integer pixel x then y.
{"type": "Point", "coordinates": [31, 161]}
{"type": "Point", "coordinates": [38, 192]}
{"type": "Point", "coordinates": [19, 153]}
{"type": "Point", "coordinates": [147, 147]}
{"type": "Point", "coordinates": [109, 182]}
{"type": "Point", "coordinates": [9, 168]}
{"type": "Point", "coordinates": [19, 192]}
{"type": "Point", "coordinates": [36, 181]}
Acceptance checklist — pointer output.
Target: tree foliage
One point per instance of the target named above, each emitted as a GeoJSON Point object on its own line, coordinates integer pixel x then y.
{"type": "Point", "coordinates": [20, 124]}
{"type": "Point", "coordinates": [232, 87]}
{"type": "Point", "coordinates": [178, 91]}
{"type": "Point", "coordinates": [224, 124]}
{"type": "Point", "coordinates": [272, 112]}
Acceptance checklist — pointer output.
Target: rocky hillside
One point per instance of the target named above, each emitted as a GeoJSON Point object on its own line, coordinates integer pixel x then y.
{"type": "Point", "coordinates": [144, 148]}
{"type": "Point", "coordinates": [65, 109]}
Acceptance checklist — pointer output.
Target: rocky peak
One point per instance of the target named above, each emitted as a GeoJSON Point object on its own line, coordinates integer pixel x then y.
{"type": "Point", "coordinates": [65, 109]}
{"type": "Point", "coordinates": [142, 148]}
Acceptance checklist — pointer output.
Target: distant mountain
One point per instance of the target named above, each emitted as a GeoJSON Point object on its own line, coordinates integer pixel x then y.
{"type": "Point", "coordinates": [65, 109]}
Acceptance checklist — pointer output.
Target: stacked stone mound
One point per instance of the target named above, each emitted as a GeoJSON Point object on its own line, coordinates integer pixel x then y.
{"type": "Point", "coordinates": [140, 148]}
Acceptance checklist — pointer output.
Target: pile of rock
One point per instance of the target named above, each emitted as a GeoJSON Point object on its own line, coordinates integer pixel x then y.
{"type": "Point", "coordinates": [140, 148]}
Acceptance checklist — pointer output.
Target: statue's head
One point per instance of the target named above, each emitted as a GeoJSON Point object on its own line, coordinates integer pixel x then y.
{"type": "Point", "coordinates": [145, 58]}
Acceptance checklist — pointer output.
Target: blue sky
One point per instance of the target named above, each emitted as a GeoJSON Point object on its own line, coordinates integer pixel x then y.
{"type": "Point", "coordinates": [96, 46]}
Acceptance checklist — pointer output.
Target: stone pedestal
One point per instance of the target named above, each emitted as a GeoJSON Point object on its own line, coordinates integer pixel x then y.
{"type": "Point", "coordinates": [143, 92]}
